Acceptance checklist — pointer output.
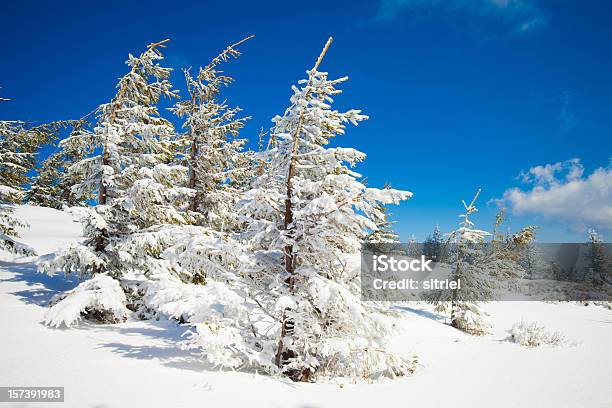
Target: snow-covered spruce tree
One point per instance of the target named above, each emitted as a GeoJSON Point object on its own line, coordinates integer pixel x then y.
{"type": "Point", "coordinates": [303, 215]}
{"type": "Point", "coordinates": [476, 282]}
{"type": "Point", "coordinates": [52, 185]}
{"type": "Point", "coordinates": [414, 249]}
{"type": "Point", "coordinates": [433, 246]}
{"type": "Point", "coordinates": [153, 249]}
{"type": "Point", "coordinates": [18, 146]}
{"type": "Point", "coordinates": [13, 163]}
{"type": "Point", "coordinates": [218, 167]}
{"type": "Point", "coordinates": [131, 146]}
{"type": "Point", "coordinates": [532, 261]}
{"type": "Point", "coordinates": [598, 269]}
{"type": "Point", "coordinates": [481, 268]}
{"type": "Point", "coordinates": [214, 170]}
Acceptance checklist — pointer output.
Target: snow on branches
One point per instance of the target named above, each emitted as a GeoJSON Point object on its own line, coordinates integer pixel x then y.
{"type": "Point", "coordinates": [18, 145]}
{"type": "Point", "coordinates": [302, 215]}
{"type": "Point", "coordinates": [100, 298]}
{"type": "Point", "coordinates": [218, 166]}
{"type": "Point", "coordinates": [129, 148]}
{"type": "Point", "coordinates": [481, 269]}
{"type": "Point", "coordinates": [249, 250]}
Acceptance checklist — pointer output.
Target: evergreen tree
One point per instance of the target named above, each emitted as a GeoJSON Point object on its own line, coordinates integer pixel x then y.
{"type": "Point", "coordinates": [554, 271]}
{"type": "Point", "coordinates": [218, 166]}
{"type": "Point", "coordinates": [433, 246]}
{"type": "Point", "coordinates": [532, 261]}
{"type": "Point", "coordinates": [413, 250]}
{"type": "Point", "coordinates": [53, 184]}
{"type": "Point", "coordinates": [129, 170]}
{"type": "Point", "coordinates": [302, 215]}
{"type": "Point", "coordinates": [149, 243]}
{"type": "Point", "coordinates": [476, 284]}
{"type": "Point", "coordinates": [18, 146]}
{"type": "Point", "coordinates": [480, 268]}
{"type": "Point", "coordinates": [599, 270]}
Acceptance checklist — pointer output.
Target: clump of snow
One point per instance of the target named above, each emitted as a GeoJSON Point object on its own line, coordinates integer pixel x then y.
{"type": "Point", "coordinates": [532, 334]}
{"type": "Point", "coordinates": [100, 298]}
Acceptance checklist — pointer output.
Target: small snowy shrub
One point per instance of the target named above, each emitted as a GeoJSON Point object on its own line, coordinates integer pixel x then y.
{"type": "Point", "coordinates": [470, 318]}
{"type": "Point", "coordinates": [100, 299]}
{"type": "Point", "coordinates": [530, 334]}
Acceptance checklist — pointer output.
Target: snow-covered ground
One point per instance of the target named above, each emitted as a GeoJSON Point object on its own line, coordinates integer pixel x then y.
{"type": "Point", "coordinates": [138, 364]}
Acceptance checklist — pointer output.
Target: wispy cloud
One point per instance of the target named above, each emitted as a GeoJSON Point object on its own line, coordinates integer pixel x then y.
{"type": "Point", "coordinates": [562, 192]}
{"type": "Point", "coordinates": [518, 16]}
{"type": "Point", "coordinates": [567, 118]}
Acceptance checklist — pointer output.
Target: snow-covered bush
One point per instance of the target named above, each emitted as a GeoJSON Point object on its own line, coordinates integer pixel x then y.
{"type": "Point", "coordinates": [531, 334]}
{"type": "Point", "coordinates": [470, 318]}
{"type": "Point", "coordinates": [100, 298]}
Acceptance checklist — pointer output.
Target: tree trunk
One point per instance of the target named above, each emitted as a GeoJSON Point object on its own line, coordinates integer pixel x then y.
{"type": "Point", "coordinates": [193, 206]}
{"type": "Point", "coordinates": [102, 199]}
{"type": "Point", "coordinates": [283, 355]}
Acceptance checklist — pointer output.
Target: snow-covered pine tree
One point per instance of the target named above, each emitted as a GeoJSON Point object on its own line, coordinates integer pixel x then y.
{"type": "Point", "coordinates": [433, 247]}
{"type": "Point", "coordinates": [13, 163]}
{"type": "Point", "coordinates": [532, 261]}
{"type": "Point", "coordinates": [18, 146]}
{"type": "Point", "coordinates": [413, 250]}
{"type": "Point", "coordinates": [481, 268]}
{"type": "Point", "coordinates": [598, 269]}
{"type": "Point", "coordinates": [475, 280]}
{"type": "Point", "coordinates": [52, 185]}
{"type": "Point", "coordinates": [304, 214]}
{"type": "Point", "coordinates": [218, 167]}
{"type": "Point", "coordinates": [131, 146]}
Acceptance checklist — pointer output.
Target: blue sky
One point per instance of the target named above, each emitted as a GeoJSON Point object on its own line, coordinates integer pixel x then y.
{"type": "Point", "coordinates": [461, 94]}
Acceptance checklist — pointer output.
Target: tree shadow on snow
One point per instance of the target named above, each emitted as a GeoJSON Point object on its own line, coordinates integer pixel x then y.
{"type": "Point", "coordinates": [167, 334]}
{"type": "Point", "coordinates": [423, 313]}
{"type": "Point", "coordinates": [170, 355]}
{"type": "Point", "coordinates": [43, 286]}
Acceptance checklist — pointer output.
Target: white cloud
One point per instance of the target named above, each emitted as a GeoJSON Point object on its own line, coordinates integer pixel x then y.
{"type": "Point", "coordinates": [520, 15]}
{"type": "Point", "coordinates": [561, 192]}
